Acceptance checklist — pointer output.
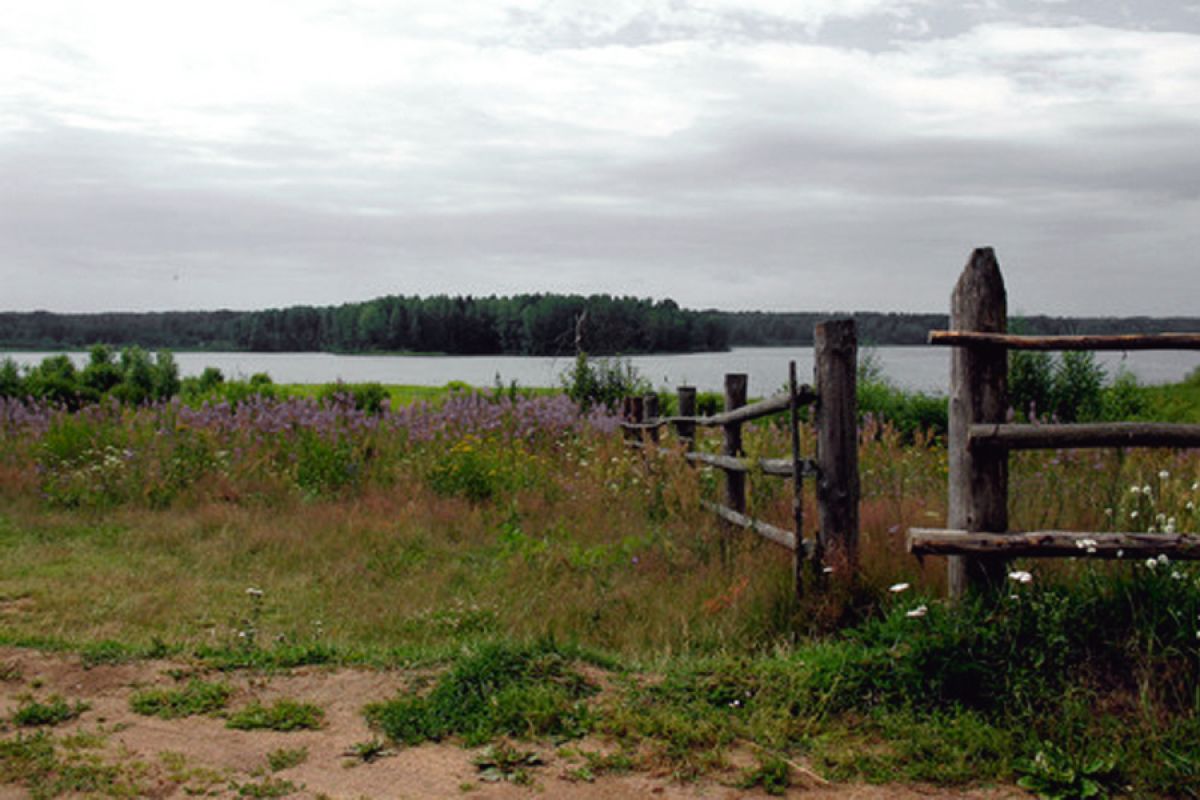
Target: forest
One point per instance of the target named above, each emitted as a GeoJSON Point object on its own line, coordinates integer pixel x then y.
{"type": "Point", "coordinates": [528, 324]}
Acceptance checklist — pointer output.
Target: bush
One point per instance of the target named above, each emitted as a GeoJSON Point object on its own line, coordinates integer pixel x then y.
{"type": "Point", "coordinates": [602, 382]}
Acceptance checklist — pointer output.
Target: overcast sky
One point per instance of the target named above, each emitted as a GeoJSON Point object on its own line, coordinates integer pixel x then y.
{"type": "Point", "coordinates": [740, 154]}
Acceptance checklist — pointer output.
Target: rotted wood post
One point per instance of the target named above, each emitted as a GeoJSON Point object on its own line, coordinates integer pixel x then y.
{"type": "Point", "coordinates": [735, 482]}
{"type": "Point", "coordinates": [650, 404]}
{"type": "Point", "coordinates": [836, 368]}
{"type": "Point", "coordinates": [978, 394]}
{"type": "Point", "coordinates": [686, 431]}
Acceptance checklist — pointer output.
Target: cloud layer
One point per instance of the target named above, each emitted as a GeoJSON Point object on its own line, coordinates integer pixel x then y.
{"type": "Point", "coordinates": [762, 154]}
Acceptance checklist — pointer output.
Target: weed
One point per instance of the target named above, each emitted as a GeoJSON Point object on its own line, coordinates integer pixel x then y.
{"type": "Point", "coordinates": [31, 713]}
{"type": "Point", "coordinates": [1058, 775]}
{"type": "Point", "coordinates": [773, 774]}
{"type": "Point", "coordinates": [504, 762]}
{"type": "Point", "coordinates": [197, 697]}
{"type": "Point", "coordinates": [367, 751]}
{"type": "Point", "coordinates": [10, 672]}
{"type": "Point", "coordinates": [268, 787]}
{"type": "Point", "coordinates": [284, 715]}
{"type": "Point", "coordinates": [284, 758]}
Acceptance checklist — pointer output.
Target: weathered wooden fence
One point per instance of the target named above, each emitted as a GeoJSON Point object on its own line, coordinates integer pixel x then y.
{"type": "Point", "coordinates": [835, 464]}
{"type": "Point", "coordinates": [978, 540]}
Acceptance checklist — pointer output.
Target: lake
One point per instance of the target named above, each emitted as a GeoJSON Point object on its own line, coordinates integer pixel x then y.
{"type": "Point", "coordinates": [921, 368]}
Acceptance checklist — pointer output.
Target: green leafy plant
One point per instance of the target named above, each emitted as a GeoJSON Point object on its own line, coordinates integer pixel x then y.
{"type": "Point", "coordinates": [504, 762]}
{"type": "Point", "coordinates": [1056, 774]}
{"type": "Point", "coordinates": [772, 774]}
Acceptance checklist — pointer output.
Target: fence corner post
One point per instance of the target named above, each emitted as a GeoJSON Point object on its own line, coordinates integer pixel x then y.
{"type": "Point", "coordinates": [836, 368]}
{"type": "Point", "coordinates": [978, 394]}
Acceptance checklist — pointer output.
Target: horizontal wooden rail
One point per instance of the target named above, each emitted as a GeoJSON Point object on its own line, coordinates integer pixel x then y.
{"type": "Point", "coordinates": [1053, 544]}
{"type": "Point", "coordinates": [763, 408]}
{"type": "Point", "coordinates": [1105, 434]}
{"type": "Point", "coordinates": [1144, 341]}
{"type": "Point", "coordinates": [766, 530]}
{"type": "Point", "coordinates": [781, 467]}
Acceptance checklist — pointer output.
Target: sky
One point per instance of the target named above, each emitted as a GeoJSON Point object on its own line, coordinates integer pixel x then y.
{"type": "Point", "coordinates": [735, 154]}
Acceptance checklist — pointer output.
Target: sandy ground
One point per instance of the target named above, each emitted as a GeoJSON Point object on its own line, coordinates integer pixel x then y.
{"type": "Point", "coordinates": [200, 756]}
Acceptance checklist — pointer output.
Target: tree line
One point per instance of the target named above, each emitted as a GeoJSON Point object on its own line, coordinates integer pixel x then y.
{"type": "Point", "coordinates": [528, 324]}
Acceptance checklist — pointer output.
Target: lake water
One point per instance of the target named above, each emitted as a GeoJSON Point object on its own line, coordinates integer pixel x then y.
{"type": "Point", "coordinates": [920, 368]}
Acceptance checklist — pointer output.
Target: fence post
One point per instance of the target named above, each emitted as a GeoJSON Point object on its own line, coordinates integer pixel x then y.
{"type": "Point", "coordinates": [687, 408]}
{"type": "Point", "coordinates": [978, 394]}
{"type": "Point", "coordinates": [735, 482]}
{"type": "Point", "coordinates": [836, 350]}
{"type": "Point", "coordinates": [651, 405]}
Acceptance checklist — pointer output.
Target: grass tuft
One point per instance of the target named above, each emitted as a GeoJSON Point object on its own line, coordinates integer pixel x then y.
{"type": "Point", "coordinates": [284, 715]}
{"type": "Point", "coordinates": [197, 697]}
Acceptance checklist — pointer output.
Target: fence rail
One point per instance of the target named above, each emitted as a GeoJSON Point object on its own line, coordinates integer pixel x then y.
{"type": "Point", "coordinates": [1139, 341]}
{"type": "Point", "coordinates": [977, 539]}
{"type": "Point", "coordinates": [1056, 544]}
{"type": "Point", "coordinates": [835, 466]}
{"type": "Point", "coordinates": [1107, 434]}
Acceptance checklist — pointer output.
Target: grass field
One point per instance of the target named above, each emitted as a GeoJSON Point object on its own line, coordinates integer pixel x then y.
{"type": "Point", "coordinates": [510, 544]}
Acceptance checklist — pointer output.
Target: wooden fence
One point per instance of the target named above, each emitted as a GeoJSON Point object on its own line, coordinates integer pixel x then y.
{"type": "Point", "coordinates": [835, 464]}
{"type": "Point", "coordinates": [978, 540]}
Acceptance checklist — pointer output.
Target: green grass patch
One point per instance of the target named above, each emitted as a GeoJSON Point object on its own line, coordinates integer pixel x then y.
{"type": "Point", "coordinates": [197, 697]}
{"type": "Point", "coordinates": [497, 689]}
{"type": "Point", "coordinates": [32, 713]}
{"type": "Point", "coordinates": [286, 758]}
{"type": "Point", "coordinates": [284, 714]}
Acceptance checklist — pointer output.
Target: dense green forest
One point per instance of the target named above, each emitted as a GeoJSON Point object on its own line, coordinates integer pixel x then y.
{"type": "Point", "coordinates": [531, 324]}
{"type": "Point", "coordinates": [540, 324]}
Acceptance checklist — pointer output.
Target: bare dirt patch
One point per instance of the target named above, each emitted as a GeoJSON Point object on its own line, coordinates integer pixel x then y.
{"type": "Point", "coordinates": [199, 755]}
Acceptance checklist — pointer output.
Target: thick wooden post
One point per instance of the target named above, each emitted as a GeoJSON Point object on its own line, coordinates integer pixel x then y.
{"type": "Point", "coordinates": [836, 346]}
{"type": "Point", "coordinates": [978, 394]}
{"type": "Point", "coordinates": [735, 482]}
{"type": "Point", "coordinates": [687, 408]}
{"type": "Point", "coordinates": [650, 403]}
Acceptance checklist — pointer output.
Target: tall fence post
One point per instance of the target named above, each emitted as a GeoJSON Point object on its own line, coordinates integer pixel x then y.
{"type": "Point", "coordinates": [735, 482]}
{"type": "Point", "coordinates": [978, 394]}
{"type": "Point", "coordinates": [836, 351]}
{"type": "Point", "coordinates": [687, 408]}
{"type": "Point", "coordinates": [650, 403]}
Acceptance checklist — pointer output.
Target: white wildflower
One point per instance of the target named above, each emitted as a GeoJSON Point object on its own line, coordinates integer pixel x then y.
{"type": "Point", "coordinates": [1163, 475]}
{"type": "Point", "coordinates": [897, 588]}
{"type": "Point", "coordinates": [1120, 554]}
{"type": "Point", "coordinates": [1020, 576]}
{"type": "Point", "coordinates": [1135, 489]}
{"type": "Point", "coordinates": [827, 570]}
{"type": "Point", "coordinates": [254, 592]}
{"type": "Point", "coordinates": [1151, 563]}
{"type": "Point", "coordinates": [1162, 559]}
{"type": "Point", "coordinates": [917, 612]}
{"type": "Point", "coordinates": [1146, 490]}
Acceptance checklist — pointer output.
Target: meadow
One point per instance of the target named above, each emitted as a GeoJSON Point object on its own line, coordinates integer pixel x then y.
{"type": "Point", "coordinates": [512, 544]}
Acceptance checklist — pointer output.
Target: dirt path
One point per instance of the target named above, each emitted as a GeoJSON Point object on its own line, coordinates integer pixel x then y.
{"type": "Point", "coordinates": [200, 756]}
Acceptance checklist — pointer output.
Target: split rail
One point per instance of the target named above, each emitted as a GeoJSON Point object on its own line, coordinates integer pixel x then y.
{"type": "Point", "coordinates": [834, 465]}
{"type": "Point", "coordinates": [978, 540]}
